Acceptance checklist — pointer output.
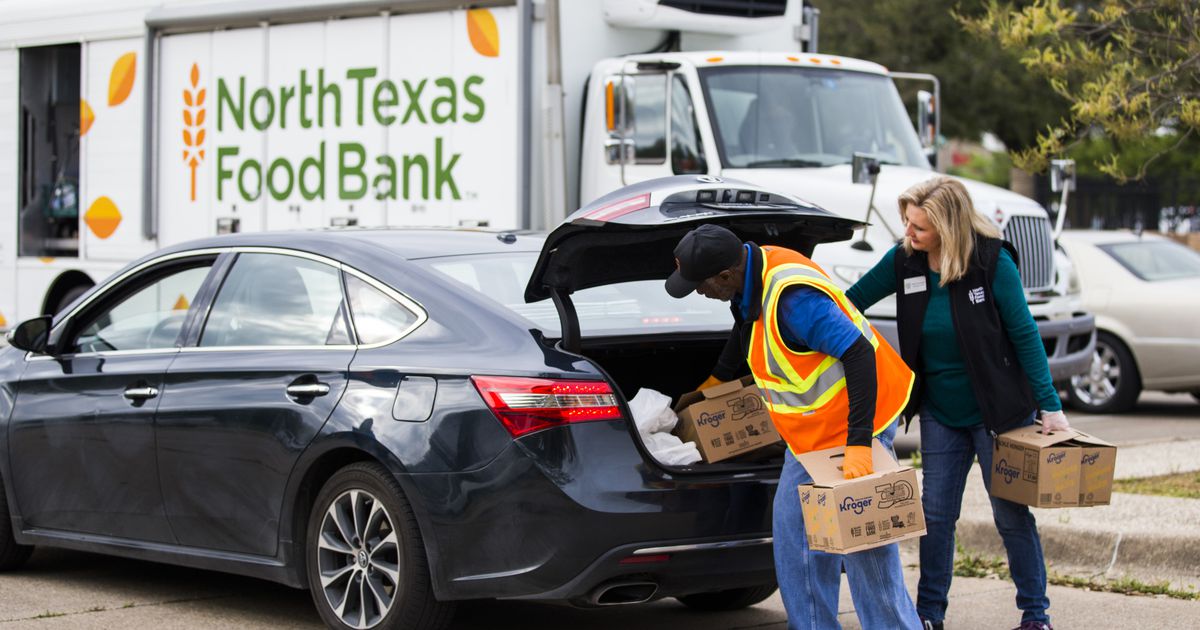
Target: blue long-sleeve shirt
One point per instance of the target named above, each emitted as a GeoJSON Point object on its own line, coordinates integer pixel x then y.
{"type": "Point", "coordinates": [807, 318]}
{"type": "Point", "coordinates": [946, 384]}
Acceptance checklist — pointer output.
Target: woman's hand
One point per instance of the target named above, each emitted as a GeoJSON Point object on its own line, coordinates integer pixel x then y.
{"type": "Point", "coordinates": [1054, 421]}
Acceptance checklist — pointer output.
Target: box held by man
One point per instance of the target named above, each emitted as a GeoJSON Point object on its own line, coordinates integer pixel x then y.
{"type": "Point", "coordinates": [725, 420]}
{"type": "Point", "coordinates": [847, 515]}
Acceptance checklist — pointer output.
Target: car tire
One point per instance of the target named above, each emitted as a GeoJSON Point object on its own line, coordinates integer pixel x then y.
{"type": "Point", "coordinates": [12, 555]}
{"type": "Point", "coordinates": [1111, 384]}
{"type": "Point", "coordinates": [363, 539]}
{"type": "Point", "coordinates": [732, 599]}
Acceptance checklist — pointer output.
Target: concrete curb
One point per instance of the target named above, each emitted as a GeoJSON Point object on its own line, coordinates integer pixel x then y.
{"type": "Point", "coordinates": [1098, 553]}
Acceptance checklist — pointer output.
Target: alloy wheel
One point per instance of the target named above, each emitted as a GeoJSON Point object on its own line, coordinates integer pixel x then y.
{"type": "Point", "coordinates": [359, 558]}
{"type": "Point", "coordinates": [1099, 384]}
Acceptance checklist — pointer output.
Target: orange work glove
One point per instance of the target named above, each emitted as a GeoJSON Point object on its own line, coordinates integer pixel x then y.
{"type": "Point", "coordinates": [857, 462]}
{"type": "Point", "coordinates": [712, 380]}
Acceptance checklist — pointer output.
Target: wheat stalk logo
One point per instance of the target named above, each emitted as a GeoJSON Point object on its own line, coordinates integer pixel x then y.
{"type": "Point", "coordinates": [193, 126]}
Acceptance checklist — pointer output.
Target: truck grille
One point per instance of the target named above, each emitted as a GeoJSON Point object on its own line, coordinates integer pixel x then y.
{"type": "Point", "coordinates": [734, 8]}
{"type": "Point", "coordinates": [1031, 237]}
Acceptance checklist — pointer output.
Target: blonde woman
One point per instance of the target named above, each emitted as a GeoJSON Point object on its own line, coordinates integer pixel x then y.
{"type": "Point", "coordinates": [965, 329]}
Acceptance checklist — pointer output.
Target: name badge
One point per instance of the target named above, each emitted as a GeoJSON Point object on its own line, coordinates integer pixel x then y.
{"type": "Point", "coordinates": [914, 285]}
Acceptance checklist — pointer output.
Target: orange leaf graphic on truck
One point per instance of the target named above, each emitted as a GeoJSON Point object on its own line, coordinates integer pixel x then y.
{"type": "Point", "coordinates": [120, 82]}
{"type": "Point", "coordinates": [103, 217]}
{"type": "Point", "coordinates": [481, 29]}
{"type": "Point", "coordinates": [193, 125]}
{"type": "Point", "coordinates": [86, 117]}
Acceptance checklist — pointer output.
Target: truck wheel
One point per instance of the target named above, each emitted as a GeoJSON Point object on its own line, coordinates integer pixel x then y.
{"type": "Point", "coordinates": [366, 562]}
{"type": "Point", "coordinates": [732, 599]}
{"type": "Point", "coordinates": [12, 555]}
{"type": "Point", "coordinates": [1111, 384]}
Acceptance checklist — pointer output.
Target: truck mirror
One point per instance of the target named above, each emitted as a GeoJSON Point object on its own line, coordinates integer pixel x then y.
{"type": "Point", "coordinates": [1062, 175]}
{"type": "Point", "coordinates": [864, 168]}
{"type": "Point", "coordinates": [927, 114]}
{"type": "Point", "coordinates": [31, 335]}
{"type": "Point", "coordinates": [1062, 180]}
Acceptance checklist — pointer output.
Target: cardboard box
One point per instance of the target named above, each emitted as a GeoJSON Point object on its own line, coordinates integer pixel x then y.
{"type": "Point", "coordinates": [1064, 469]}
{"type": "Point", "coordinates": [725, 420]}
{"type": "Point", "coordinates": [1098, 460]}
{"type": "Point", "coordinates": [847, 515]}
{"type": "Point", "coordinates": [1035, 469]}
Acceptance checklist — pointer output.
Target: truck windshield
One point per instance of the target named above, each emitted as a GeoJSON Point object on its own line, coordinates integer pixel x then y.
{"type": "Point", "coordinates": [780, 117]}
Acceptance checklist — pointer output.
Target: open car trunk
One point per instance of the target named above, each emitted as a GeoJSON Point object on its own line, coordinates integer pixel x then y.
{"type": "Point", "coordinates": [630, 235]}
{"type": "Point", "coordinates": [672, 365]}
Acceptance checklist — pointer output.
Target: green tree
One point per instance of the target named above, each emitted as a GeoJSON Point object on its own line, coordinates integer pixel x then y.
{"type": "Point", "coordinates": [984, 87]}
{"type": "Point", "coordinates": [1130, 69]}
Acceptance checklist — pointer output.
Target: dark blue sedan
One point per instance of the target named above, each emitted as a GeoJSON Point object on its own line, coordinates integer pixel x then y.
{"type": "Point", "coordinates": [398, 419]}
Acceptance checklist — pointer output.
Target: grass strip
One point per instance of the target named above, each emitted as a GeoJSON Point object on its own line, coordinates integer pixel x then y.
{"type": "Point", "coordinates": [967, 564]}
{"type": "Point", "coordinates": [1181, 485]}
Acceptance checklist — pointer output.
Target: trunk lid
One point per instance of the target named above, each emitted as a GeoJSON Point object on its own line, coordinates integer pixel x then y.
{"type": "Point", "coordinates": [630, 234]}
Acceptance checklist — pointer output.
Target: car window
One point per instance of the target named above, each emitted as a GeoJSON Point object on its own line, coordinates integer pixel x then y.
{"type": "Point", "coordinates": [277, 300]}
{"type": "Point", "coordinates": [1156, 260]}
{"type": "Point", "coordinates": [377, 317]}
{"type": "Point", "coordinates": [151, 317]}
{"type": "Point", "coordinates": [627, 307]}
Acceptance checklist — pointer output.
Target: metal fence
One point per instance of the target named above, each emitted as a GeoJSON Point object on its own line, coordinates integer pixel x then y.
{"type": "Point", "coordinates": [1164, 205]}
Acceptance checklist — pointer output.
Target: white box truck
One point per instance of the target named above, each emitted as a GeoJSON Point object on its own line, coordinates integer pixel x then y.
{"type": "Point", "coordinates": [137, 124]}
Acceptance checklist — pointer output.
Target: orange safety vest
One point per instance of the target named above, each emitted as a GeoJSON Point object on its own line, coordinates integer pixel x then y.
{"type": "Point", "coordinates": [805, 392]}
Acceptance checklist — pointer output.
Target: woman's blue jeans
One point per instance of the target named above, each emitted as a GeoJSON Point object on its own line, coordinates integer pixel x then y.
{"type": "Point", "coordinates": [809, 581]}
{"type": "Point", "coordinates": [946, 457]}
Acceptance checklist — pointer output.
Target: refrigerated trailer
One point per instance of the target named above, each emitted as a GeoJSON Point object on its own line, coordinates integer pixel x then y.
{"type": "Point", "coordinates": [140, 124]}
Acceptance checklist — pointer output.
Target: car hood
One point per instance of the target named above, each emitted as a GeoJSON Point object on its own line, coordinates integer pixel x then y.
{"type": "Point", "coordinates": [631, 234]}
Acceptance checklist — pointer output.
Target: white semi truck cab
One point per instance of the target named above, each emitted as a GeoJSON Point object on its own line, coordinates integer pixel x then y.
{"type": "Point", "coordinates": [794, 122]}
{"type": "Point", "coordinates": [164, 120]}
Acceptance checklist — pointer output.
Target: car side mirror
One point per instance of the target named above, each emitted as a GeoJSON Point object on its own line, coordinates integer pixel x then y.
{"type": "Point", "coordinates": [32, 335]}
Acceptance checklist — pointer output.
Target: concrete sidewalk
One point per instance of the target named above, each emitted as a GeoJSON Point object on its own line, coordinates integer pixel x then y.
{"type": "Point", "coordinates": [1149, 538]}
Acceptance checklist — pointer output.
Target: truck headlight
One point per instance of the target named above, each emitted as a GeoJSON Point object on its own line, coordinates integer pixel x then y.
{"type": "Point", "coordinates": [1066, 278]}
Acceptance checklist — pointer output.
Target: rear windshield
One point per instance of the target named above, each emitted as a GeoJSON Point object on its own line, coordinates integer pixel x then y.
{"type": "Point", "coordinates": [625, 308]}
{"type": "Point", "coordinates": [1156, 260]}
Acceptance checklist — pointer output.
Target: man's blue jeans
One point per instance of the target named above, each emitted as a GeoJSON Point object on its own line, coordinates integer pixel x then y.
{"type": "Point", "coordinates": [946, 458]}
{"type": "Point", "coordinates": [809, 581]}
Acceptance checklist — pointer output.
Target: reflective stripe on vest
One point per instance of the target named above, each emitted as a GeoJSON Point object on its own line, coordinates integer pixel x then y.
{"type": "Point", "coordinates": [805, 390]}
{"type": "Point", "coordinates": [798, 393]}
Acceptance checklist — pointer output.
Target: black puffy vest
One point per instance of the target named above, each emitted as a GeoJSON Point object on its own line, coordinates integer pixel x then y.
{"type": "Point", "coordinates": [997, 378]}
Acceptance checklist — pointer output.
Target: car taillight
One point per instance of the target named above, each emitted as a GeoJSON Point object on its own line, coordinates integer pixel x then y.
{"type": "Point", "coordinates": [525, 405]}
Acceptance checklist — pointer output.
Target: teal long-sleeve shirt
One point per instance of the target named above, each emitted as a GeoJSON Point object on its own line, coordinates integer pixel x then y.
{"type": "Point", "coordinates": [946, 386]}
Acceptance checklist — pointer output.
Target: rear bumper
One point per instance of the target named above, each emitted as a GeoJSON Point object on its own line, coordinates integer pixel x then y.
{"type": "Point", "coordinates": [565, 511]}
{"type": "Point", "coordinates": [674, 569]}
{"type": "Point", "coordinates": [1069, 342]}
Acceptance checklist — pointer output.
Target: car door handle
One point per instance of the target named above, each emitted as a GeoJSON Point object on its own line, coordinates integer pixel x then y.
{"type": "Point", "coordinates": [307, 390]}
{"type": "Point", "coordinates": [141, 393]}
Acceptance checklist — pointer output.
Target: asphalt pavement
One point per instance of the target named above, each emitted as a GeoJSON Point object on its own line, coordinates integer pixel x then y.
{"type": "Point", "coordinates": [1151, 539]}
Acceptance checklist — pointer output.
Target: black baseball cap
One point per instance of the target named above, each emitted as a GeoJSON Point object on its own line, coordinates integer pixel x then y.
{"type": "Point", "coordinates": [701, 254]}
